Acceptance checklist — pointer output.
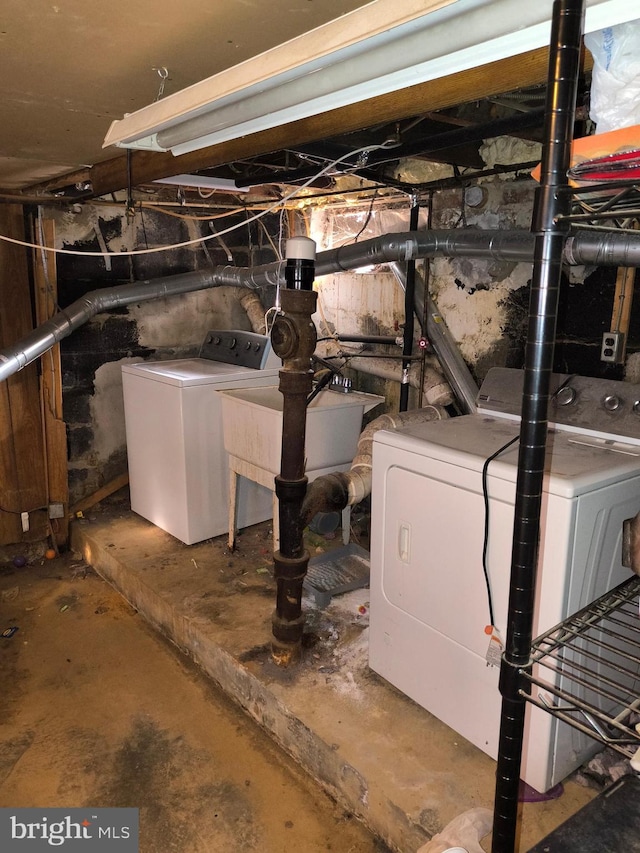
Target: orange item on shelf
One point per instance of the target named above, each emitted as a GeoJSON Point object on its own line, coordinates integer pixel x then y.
{"type": "Point", "coordinates": [604, 156]}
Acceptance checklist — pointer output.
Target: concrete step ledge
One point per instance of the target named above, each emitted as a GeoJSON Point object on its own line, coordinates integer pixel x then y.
{"type": "Point", "coordinates": [383, 758]}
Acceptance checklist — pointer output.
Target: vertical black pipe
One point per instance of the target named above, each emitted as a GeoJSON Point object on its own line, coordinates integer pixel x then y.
{"type": "Point", "coordinates": [564, 64]}
{"type": "Point", "coordinates": [409, 303]}
{"type": "Point", "coordinates": [294, 340]}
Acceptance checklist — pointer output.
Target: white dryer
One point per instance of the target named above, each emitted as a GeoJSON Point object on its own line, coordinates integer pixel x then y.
{"type": "Point", "coordinates": [178, 467]}
{"type": "Point", "coordinates": [429, 598]}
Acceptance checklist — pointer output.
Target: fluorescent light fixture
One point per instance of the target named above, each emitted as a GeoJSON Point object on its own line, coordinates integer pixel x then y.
{"type": "Point", "coordinates": [382, 47]}
{"type": "Point", "coordinates": [203, 182]}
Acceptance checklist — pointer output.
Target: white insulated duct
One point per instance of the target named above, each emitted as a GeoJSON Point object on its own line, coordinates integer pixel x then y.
{"type": "Point", "coordinates": [333, 492]}
{"type": "Point", "coordinates": [435, 389]}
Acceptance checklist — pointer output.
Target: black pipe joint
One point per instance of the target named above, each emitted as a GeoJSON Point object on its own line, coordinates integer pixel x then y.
{"type": "Point", "coordinates": [291, 491]}
{"type": "Point", "coordinates": [290, 568]}
{"type": "Point", "coordinates": [288, 636]}
{"type": "Point", "coordinates": [300, 274]}
{"type": "Point", "coordinates": [293, 336]}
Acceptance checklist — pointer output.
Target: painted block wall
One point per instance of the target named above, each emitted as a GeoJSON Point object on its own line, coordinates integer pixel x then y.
{"type": "Point", "coordinates": [160, 329]}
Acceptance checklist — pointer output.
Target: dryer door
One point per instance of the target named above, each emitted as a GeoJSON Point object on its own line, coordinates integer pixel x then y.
{"type": "Point", "coordinates": [432, 559]}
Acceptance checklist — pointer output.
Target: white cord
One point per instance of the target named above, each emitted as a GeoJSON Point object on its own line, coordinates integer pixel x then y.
{"type": "Point", "coordinates": [275, 310]}
{"type": "Point", "coordinates": [228, 230]}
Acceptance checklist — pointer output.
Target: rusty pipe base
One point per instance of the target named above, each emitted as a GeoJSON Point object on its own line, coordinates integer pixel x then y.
{"type": "Point", "coordinates": [286, 653]}
{"type": "Point", "coordinates": [288, 619]}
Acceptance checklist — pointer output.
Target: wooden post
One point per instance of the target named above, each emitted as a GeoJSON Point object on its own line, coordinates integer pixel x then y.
{"type": "Point", "coordinates": [53, 426]}
{"type": "Point", "coordinates": [622, 302]}
{"type": "Point", "coordinates": [23, 492]}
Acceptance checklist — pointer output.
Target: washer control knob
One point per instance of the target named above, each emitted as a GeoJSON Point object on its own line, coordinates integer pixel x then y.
{"type": "Point", "coordinates": [217, 341]}
{"type": "Point", "coordinates": [232, 343]}
{"type": "Point", "coordinates": [566, 396]}
{"type": "Point", "coordinates": [636, 408]}
{"type": "Point", "coordinates": [611, 403]}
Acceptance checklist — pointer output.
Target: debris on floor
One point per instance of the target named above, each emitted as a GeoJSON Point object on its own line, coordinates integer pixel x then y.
{"type": "Point", "coordinates": [464, 833]}
{"type": "Point", "coordinates": [604, 768]}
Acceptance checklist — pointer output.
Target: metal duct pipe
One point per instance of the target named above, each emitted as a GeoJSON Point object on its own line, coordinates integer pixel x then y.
{"type": "Point", "coordinates": [333, 492]}
{"type": "Point", "coordinates": [454, 367]}
{"type": "Point", "coordinates": [63, 323]}
{"type": "Point", "coordinates": [550, 236]}
{"type": "Point", "coordinates": [585, 248]}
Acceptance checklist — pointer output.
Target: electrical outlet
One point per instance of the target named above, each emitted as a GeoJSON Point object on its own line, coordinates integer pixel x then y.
{"type": "Point", "coordinates": [56, 510]}
{"type": "Point", "coordinates": [612, 343]}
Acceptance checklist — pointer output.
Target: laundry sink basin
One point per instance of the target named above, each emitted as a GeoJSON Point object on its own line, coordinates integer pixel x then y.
{"type": "Point", "coordinates": [252, 423]}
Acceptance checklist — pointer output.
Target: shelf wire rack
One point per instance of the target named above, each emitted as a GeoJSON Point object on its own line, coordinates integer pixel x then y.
{"type": "Point", "coordinates": [586, 670]}
{"type": "Point", "coordinates": [606, 204]}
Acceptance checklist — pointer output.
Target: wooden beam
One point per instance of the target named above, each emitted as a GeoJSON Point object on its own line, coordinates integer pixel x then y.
{"type": "Point", "coordinates": [509, 74]}
{"type": "Point", "coordinates": [22, 471]}
{"type": "Point", "coordinates": [53, 426]}
{"type": "Point", "coordinates": [109, 488]}
{"type": "Point", "coordinates": [622, 302]}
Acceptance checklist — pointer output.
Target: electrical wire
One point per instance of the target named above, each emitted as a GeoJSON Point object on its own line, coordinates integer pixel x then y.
{"type": "Point", "coordinates": [368, 217]}
{"type": "Point", "coordinates": [485, 544]}
{"type": "Point", "coordinates": [193, 242]}
{"type": "Point", "coordinates": [145, 205]}
{"type": "Point", "coordinates": [283, 218]}
{"type": "Point", "coordinates": [275, 310]}
{"type": "Point", "coordinates": [275, 248]}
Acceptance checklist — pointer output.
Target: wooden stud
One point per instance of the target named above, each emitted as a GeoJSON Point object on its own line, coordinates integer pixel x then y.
{"type": "Point", "coordinates": [622, 302]}
{"type": "Point", "coordinates": [103, 492]}
{"type": "Point", "coordinates": [54, 428]}
{"type": "Point", "coordinates": [22, 470]}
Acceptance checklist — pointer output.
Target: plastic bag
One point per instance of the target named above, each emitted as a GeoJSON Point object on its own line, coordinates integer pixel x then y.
{"type": "Point", "coordinates": [615, 81]}
{"type": "Point", "coordinates": [464, 831]}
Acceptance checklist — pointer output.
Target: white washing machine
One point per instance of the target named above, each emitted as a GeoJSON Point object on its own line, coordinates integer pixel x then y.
{"type": "Point", "coordinates": [178, 467]}
{"type": "Point", "coordinates": [429, 598]}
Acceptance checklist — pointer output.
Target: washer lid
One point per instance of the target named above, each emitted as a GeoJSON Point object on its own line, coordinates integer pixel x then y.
{"type": "Point", "coordinates": [575, 463]}
{"type": "Point", "coordinates": [188, 372]}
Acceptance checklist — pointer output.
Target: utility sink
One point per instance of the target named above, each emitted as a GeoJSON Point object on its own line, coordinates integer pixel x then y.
{"type": "Point", "coordinates": [252, 423]}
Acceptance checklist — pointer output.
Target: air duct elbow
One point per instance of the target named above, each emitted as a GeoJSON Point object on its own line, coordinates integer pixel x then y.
{"type": "Point", "coordinates": [329, 493]}
{"type": "Point", "coordinates": [334, 492]}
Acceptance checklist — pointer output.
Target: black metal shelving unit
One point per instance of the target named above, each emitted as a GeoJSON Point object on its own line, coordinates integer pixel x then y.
{"type": "Point", "coordinates": [596, 202]}
{"type": "Point", "coordinates": [583, 671]}
{"type": "Point", "coordinates": [586, 670]}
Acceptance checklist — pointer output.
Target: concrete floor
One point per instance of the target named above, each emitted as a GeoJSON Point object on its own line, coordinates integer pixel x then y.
{"type": "Point", "coordinates": [98, 710]}
{"type": "Point", "coordinates": [378, 754]}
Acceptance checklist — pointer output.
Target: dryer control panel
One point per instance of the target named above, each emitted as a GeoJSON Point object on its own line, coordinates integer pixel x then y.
{"type": "Point", "coordinates": [607, 408]}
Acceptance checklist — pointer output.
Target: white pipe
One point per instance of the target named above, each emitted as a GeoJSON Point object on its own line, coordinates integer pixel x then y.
{"type": "Point", "coordinates": [436, 390]}
{"type": "Point", "coordinates": [359, 477]}
{"type": "Point", "coordinates": [333, 492]}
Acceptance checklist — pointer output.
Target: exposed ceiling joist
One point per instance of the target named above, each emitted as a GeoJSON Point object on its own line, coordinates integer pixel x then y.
{"type": "Point", "coordinates": [523, 71]}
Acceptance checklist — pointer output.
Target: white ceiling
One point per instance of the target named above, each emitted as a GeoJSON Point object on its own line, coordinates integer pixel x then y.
{"type": "Point", "coordinates": [68, 69]}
